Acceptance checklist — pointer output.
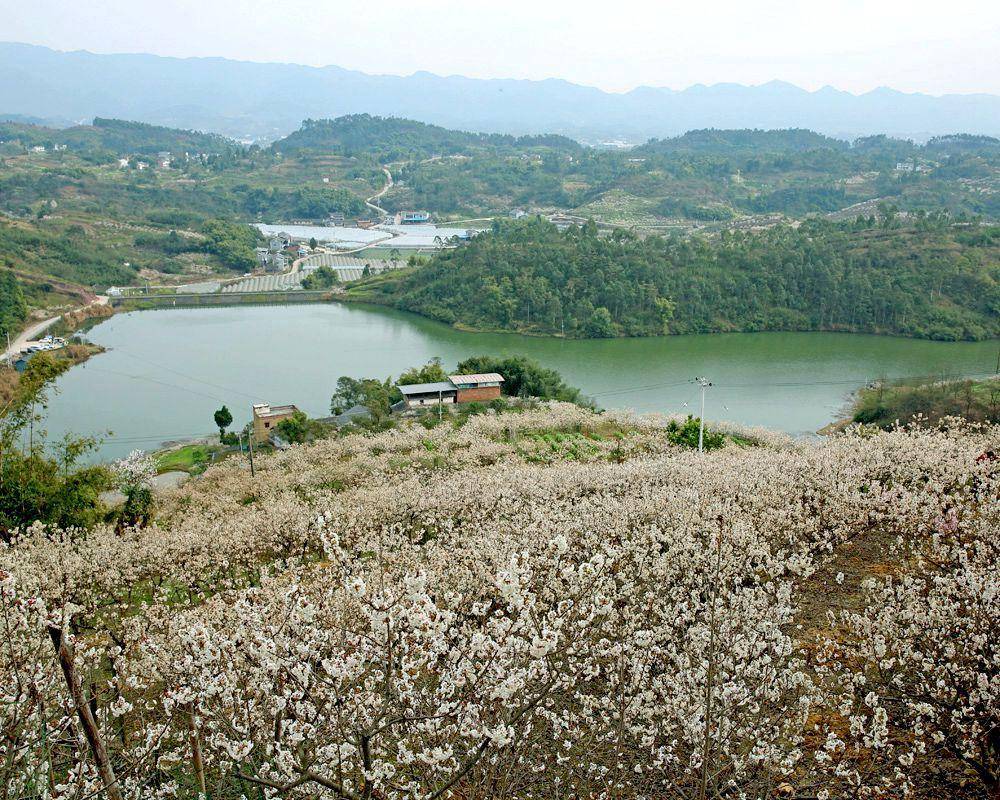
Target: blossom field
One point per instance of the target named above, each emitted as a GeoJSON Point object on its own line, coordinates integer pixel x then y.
{"type": "Point", "coordinates": [549, 604]}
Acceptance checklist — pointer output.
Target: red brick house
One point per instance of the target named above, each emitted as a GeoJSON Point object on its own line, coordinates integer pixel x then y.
{"type": "Point", "coordinates": [479, 387]}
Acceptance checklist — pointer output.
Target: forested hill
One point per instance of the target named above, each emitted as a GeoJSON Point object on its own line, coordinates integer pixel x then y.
{"type": "Point", "coordinates": [930, 280]}
{"type": "Point", "coordinates": [392, 138]}
{"type": "Point", "coordinates": [746, 141]}
{"type": "Point", "coordinates": [794, 144]}
{"type": "Point", "coordinates": [109, 138]}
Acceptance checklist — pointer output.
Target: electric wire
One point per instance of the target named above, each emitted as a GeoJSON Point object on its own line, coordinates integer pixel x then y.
{"type": "Point", "coordinates": [184, 375]}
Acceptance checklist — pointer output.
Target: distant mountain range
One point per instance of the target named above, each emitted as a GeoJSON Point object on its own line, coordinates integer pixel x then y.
{"type": "Point", "coordinates": [264, 101]}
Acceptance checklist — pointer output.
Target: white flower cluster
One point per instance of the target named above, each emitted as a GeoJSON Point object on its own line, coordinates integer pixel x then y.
{"type": "Point", "coordinates": [428, 614]}
{"type": "Point", "coordinates": [135, 471]}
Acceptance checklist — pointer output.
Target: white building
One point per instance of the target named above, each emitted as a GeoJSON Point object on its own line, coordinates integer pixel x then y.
{"type": "Point", "coordinates": [416, 395]}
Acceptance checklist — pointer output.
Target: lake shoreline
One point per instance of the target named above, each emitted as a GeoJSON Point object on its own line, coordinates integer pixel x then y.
{"type": "Point", "coordinates": [164, 374]}
{"type": "Point", "coordinates": [325, 296]}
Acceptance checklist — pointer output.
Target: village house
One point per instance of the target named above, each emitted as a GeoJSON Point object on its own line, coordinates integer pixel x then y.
{"type": "Point", "coordinates": [480, 387]}
{"type": "Point", "coordinates": [416, 395]}
{"type": "Point", "coordinates": [266, 417]}
{"type": "Point", "coordinates": [565, 221]}
{"type": "Point", "coordinates": [475, 388]}
{"type": "Point", "coordinates": [276, 262]}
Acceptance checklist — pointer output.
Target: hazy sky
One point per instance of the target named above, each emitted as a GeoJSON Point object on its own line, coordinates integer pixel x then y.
{"type": "Point", "coordinates": [916, 45]}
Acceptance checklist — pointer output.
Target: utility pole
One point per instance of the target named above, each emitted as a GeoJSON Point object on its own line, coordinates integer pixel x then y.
{"type": "Point", "coordinates": [250, 442]}
{"type": "Point", "coordinates": [440, 404]}
{"type": "Point", "coordinates": [704, 383]}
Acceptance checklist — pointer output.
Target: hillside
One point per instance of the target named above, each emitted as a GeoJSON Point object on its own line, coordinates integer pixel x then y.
{"type": "Point", "coordinates": [109, 138]}
{"type": "Point", "coordinates": [931, 281]}
{"type": "Point", "coordinates": [239, 98]}
{"type": "Point", "coordinates": [713, 178]}
{"type": "Point", "coordinates": [554, 599]}
{"type": "Point", "coordinates": [103, 212]}
{"type": "Point", "coordinates": [704, 177]}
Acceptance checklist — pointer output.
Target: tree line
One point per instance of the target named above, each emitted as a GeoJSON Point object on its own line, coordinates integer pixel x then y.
{"type": "Point", "coordinates": [927, 280]}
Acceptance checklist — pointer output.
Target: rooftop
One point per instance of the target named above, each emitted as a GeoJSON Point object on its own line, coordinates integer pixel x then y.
{"type": "Point", "coordinates": [426, 388]}
{"type": "Point", "coordinates": [262, 410]}
{"type": "Point", "coordinates": [477, 377]}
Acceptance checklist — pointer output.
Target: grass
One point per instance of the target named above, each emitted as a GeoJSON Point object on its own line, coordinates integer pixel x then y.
{"type": "Point", "coordinates": [191, 458]}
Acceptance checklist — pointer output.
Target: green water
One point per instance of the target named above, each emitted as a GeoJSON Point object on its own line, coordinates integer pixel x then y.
{"type": "Point", "coordinates": [166, 371]}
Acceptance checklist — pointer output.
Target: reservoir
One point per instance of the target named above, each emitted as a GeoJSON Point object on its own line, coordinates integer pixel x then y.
{"type": "Point", "coordinates": [166, 371]}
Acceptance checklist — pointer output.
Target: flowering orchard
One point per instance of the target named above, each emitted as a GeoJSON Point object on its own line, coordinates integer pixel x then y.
{"type": "Point", "coordinates": [489, 612]}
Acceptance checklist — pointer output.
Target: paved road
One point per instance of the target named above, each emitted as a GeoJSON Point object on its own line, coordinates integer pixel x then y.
{"type": "Point", "coordinates": [32, 332]}
{"type": "Point", "coordinates": [29, 334]}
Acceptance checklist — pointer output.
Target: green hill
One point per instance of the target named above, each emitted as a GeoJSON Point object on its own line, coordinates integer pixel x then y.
{"type": "Point", "coordinates": [933, 280]}
{"type": "Point", "coordinates": [116, 137]}
{"type": "Point", "coordinates": [729, 142]}
{"type": "Point", "coordinates": [392, 138]}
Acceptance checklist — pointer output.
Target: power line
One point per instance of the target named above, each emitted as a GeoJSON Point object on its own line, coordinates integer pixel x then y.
{"type": "Point", "coordinates": [649, 386]}
{"type": "Point", "coordinates": [162, 437]}
{"type": "Point", "coordinates": [183, 375]}
{"type": "Point", "coordinates": [155, 380]}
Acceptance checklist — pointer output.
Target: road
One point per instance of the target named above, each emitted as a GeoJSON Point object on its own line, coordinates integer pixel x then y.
{"type": "Point", "coordinates": [378, 194]}
{"type": "Point", "coordinates": [29, 334]}
{"type": "Point", "coordinates": [32, 332]}
{"type": "Point", "coordinates": [296, 265]}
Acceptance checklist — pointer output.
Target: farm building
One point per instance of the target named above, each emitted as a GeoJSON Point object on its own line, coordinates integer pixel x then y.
{"type": "Point", "coordinates": [416, 395]}
{"type": "Point", "coordinates": [477, 388]}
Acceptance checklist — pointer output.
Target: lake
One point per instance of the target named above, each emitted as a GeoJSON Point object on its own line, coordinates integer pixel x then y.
{"type": "Point", "coordinates": [166, 371]}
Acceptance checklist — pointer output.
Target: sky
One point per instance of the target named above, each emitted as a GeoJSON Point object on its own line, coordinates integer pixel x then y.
{"type": "Point", "coordinates": [918, 45]}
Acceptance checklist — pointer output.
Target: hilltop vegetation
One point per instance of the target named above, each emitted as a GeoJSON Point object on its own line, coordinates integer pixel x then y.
{"type": "Point", "coordinates": [107, 139]}
{"type": "Point", "coordinates": [717, 175]}
{"type": "Point", "coordinates": [746, 142]}
{"type": "Point", "coordinates": [931, 281]}
{"type": "Point", "coordinates": [555, 603]}
{"type": "Point", "coordinates": [395, 139]}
